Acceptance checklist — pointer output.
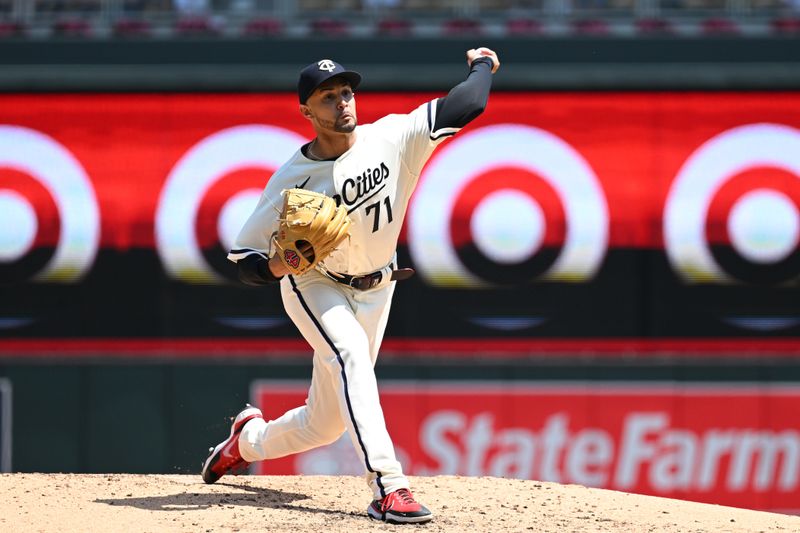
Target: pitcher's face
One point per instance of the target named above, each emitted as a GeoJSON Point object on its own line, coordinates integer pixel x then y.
{"type": "Point", "coordinates": [332, 107]}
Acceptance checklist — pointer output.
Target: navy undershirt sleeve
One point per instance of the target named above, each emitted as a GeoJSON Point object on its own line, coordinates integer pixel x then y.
{"type": "Point", "coordinates": [466, 100]}
{"type": "Point", "coordinates": [254, 270]}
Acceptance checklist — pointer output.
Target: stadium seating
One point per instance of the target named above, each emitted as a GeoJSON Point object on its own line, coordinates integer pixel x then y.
{"type": "Point", "coordinates": [719, 26]}
{"type": "Point", "coordinates": [10, 29]}
{"type": "Point", "coordinates": [461, 26]}
{"type": "Point", "coordinates": [524, 26]}
{"type": "Point", "coordinates": [654, 26]}
{"type": "Point", "coordinates": [131, 27]}
{"type": "Point", "coordinates": [398, 18]}
{"type": "Point", "coordinates": [72, 27]}
{"type": "Point", "coordinates": [329, 27]}
{"type": "Point", "coordinates": [194, 26]}
{"type": "Point", "coordinates": [394, 27]}
{"type": "Point", "coordinates": [263, 27]}
{"type": "Point", "coordinates": [594, 27]}
{"type": "Point", "coordinates": [789, 26]}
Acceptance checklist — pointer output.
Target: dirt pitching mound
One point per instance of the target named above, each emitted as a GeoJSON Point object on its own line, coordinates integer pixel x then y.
{"type": "Point", "coordinates": [156, 503]}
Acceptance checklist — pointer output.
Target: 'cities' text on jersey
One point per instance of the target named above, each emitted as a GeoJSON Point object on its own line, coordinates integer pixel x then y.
{"type": "Point", "coordinates": [354, 189]}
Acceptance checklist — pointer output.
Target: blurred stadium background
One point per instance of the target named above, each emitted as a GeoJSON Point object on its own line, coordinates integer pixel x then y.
{"type": "Point", "coordinates": [340, 18]}
{"type": "Point", "coordinates": [607, 258]}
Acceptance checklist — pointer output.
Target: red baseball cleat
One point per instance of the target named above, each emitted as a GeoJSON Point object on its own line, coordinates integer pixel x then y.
{"type": "Point", "coordinates": [225, 458]}
{"type": "Point", "coordinates": [399, 507]}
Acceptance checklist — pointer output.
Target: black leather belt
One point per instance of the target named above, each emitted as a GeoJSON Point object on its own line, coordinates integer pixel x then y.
{"type": "Point", "coordinates": [368, 281]}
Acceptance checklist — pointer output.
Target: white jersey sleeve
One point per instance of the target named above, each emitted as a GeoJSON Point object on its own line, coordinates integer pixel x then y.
{"type": "Point", "coordinates": [416, 137]}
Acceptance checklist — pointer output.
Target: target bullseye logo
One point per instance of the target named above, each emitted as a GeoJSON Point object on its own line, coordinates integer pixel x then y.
{"type": "Point", "coordinates": [505, 205]}
{"type": "Point", "coordinates": [211, 192]}
{"type": "Point", "coordinates": [732, 214]}
{"type": "Point", "coordinates": [49, 217]}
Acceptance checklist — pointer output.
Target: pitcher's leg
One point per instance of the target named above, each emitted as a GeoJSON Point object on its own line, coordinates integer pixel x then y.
{"type": "Point", "coordinates": [373, 314]}
{"type": "Point", "coordinates": [314, 424]}
{"type": "Point", "coordinates": [319, 421]}
{"type": "Point", "coordinates": [353, 378]}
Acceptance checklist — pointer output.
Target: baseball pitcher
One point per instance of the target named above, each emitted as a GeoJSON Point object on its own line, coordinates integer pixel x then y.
{"type": "Point", "coordinates": [326, 229]}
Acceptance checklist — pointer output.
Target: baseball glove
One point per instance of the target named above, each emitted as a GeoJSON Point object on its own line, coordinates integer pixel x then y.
{"type": "Point", "coordinates": [311, 227]}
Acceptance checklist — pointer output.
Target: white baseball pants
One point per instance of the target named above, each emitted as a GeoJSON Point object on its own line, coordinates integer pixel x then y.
{"type": "Point", "coordinates": [345, 328]}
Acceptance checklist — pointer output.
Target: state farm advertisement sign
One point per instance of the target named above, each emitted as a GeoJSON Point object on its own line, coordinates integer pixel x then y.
{"type": "Point", "coordinates": [734, 445]}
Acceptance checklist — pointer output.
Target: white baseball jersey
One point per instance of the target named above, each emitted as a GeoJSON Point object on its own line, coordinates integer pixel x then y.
{"type": "Point", "coordinates": [374, 180]}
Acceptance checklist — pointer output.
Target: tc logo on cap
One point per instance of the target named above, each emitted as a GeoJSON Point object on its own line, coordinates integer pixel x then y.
{"type": "Point", "coordinates": [327, 64]}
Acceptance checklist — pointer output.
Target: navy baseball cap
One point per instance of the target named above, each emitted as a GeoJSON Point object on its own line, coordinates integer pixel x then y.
{"type": "Point", "coordinates": [314, 74]}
